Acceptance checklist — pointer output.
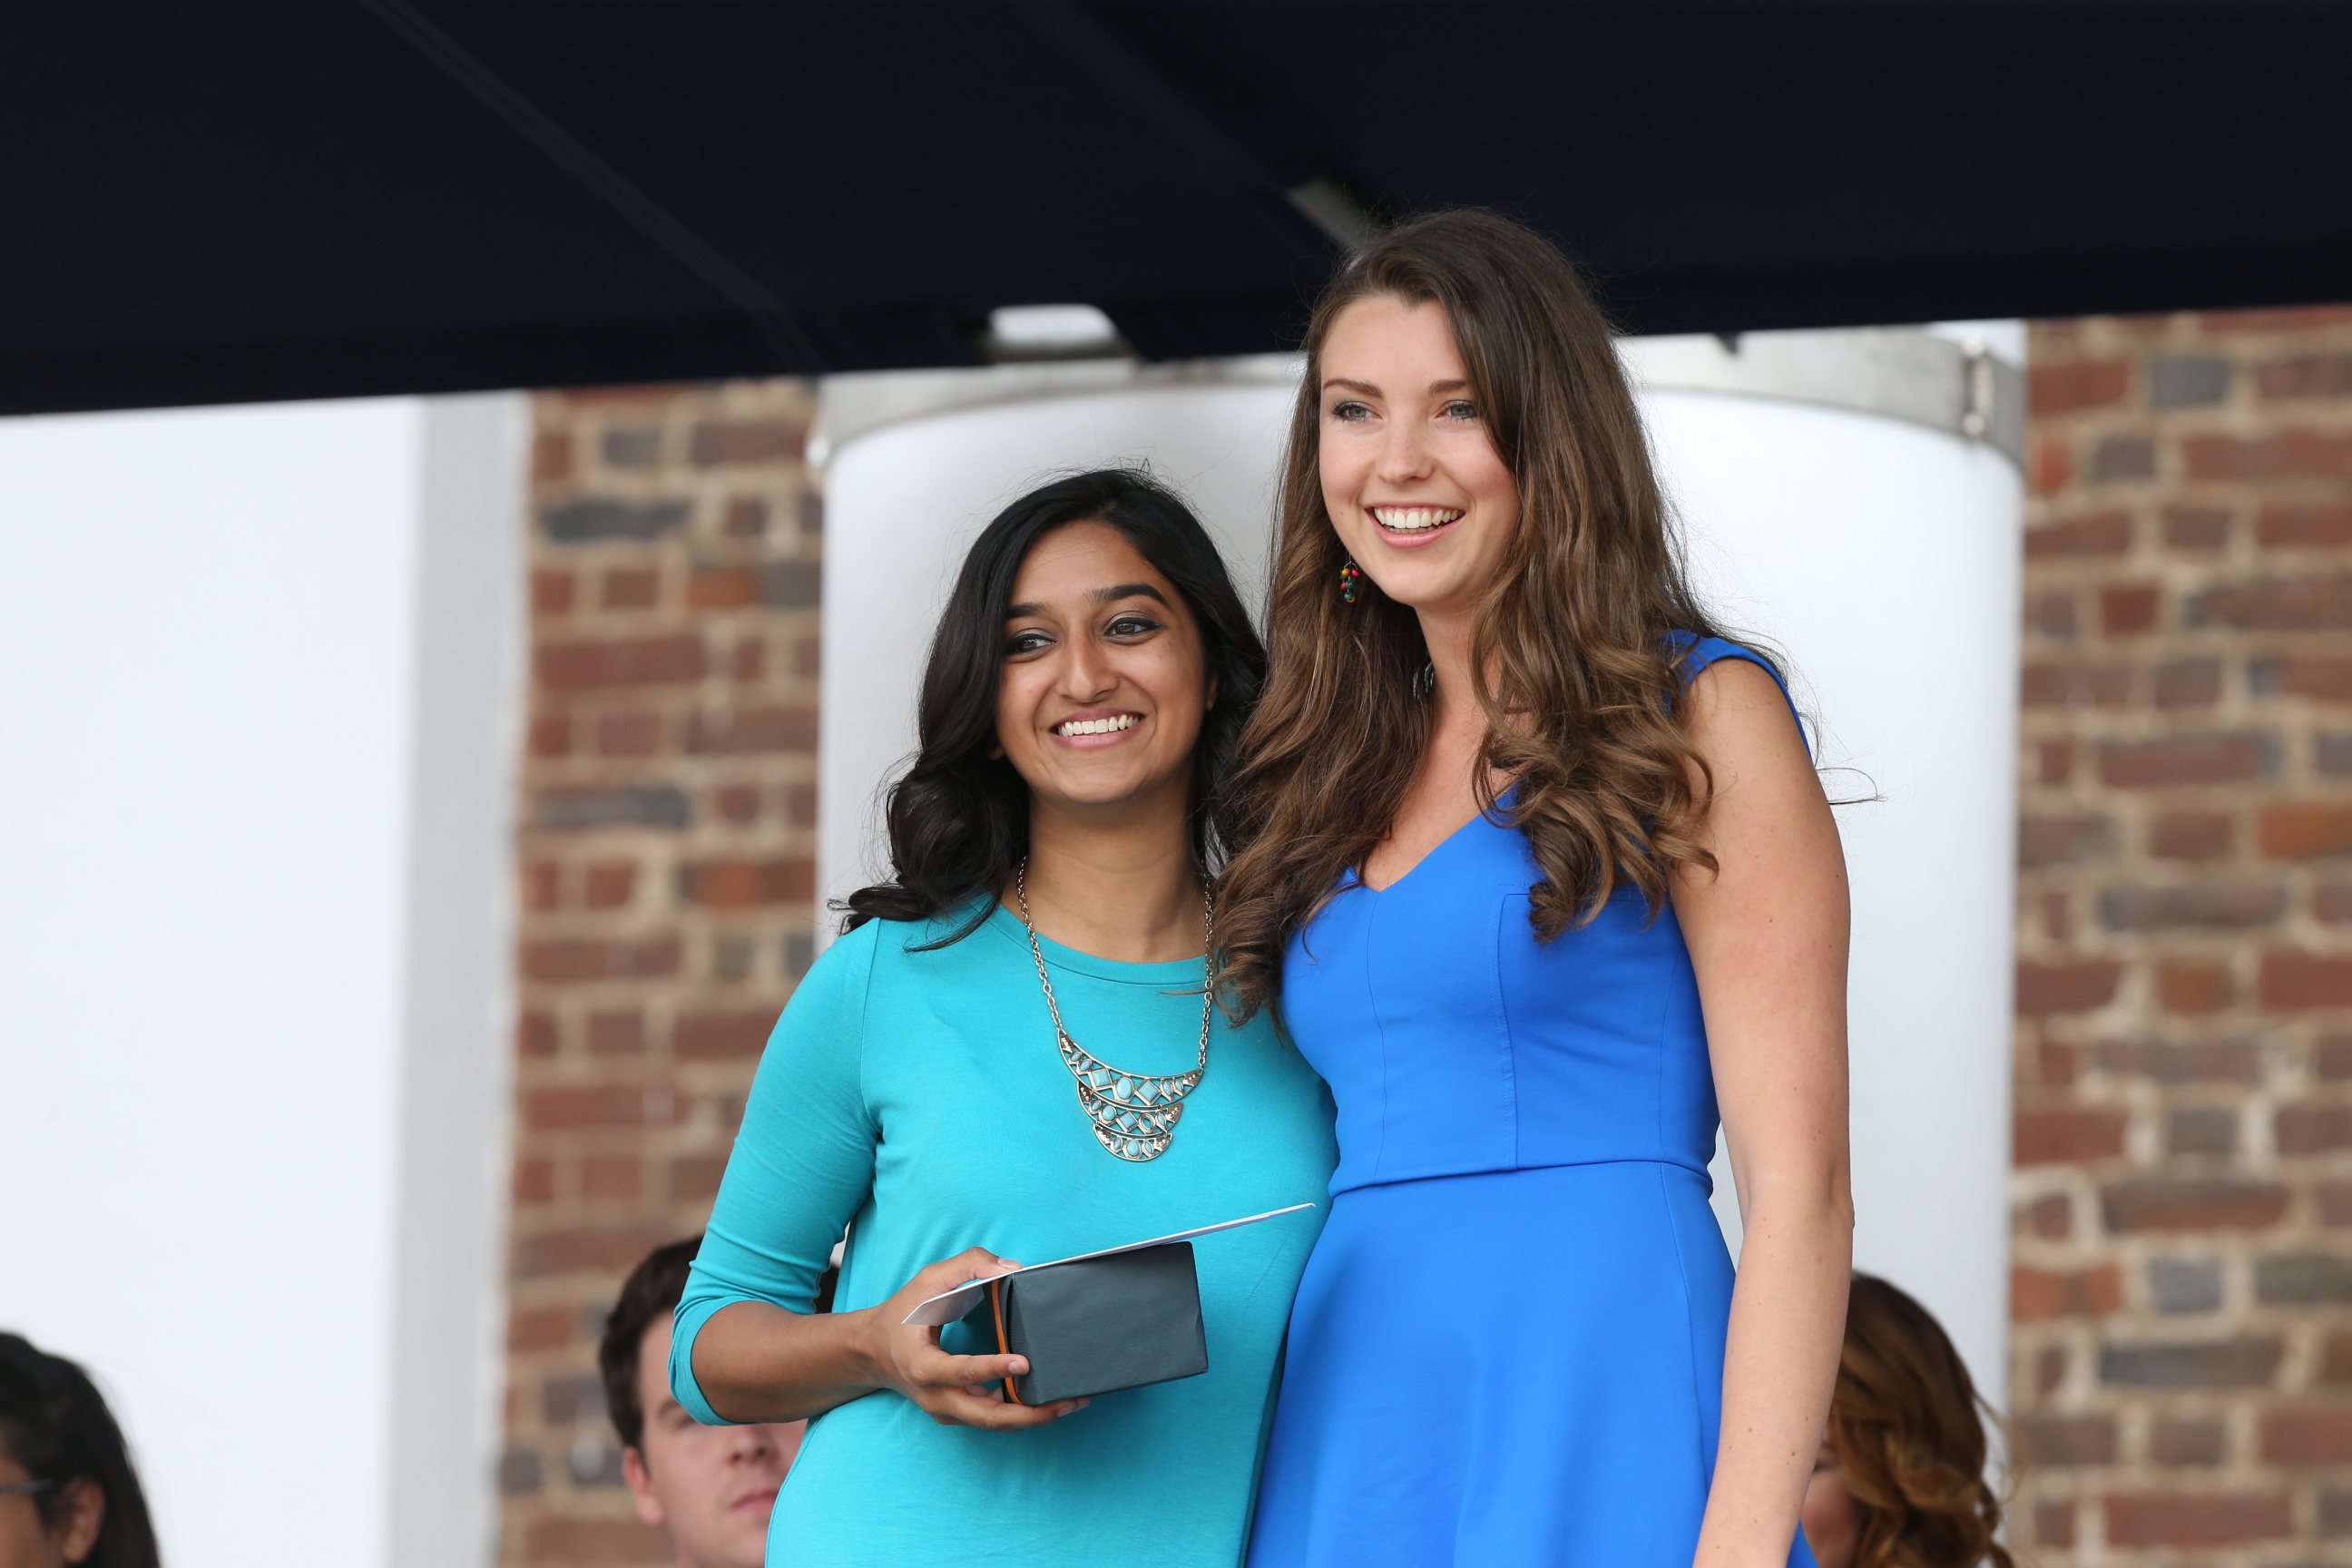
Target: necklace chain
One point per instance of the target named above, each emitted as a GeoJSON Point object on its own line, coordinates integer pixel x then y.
{"type": "Point", "coordinates": [1133, 1115]}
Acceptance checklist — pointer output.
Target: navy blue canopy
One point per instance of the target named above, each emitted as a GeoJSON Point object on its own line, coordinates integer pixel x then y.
{"type": "Point", "coordinates": [280, 198]}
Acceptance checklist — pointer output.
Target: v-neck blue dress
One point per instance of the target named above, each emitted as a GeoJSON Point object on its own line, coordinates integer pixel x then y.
{"type": "Point", "coordinates": [1507, 1348]}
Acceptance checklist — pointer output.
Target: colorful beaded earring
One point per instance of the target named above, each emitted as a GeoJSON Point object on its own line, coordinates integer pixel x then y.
{"type": "Point", "coordinates": [1351, 578]}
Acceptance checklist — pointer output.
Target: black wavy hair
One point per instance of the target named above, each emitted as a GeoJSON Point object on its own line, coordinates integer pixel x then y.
{"type": "Point", "coordinates": [958, 819]}
{"type": "Point", "coordinates": [55, 1423]}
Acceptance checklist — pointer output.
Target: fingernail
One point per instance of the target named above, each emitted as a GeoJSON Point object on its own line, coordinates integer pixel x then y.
{"type": "Point", "coordinates": [1018, 1364]}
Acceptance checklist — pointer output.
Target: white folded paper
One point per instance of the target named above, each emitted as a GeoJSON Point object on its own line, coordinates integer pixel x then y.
{"type": "Point", "coordinates": [950, 1307]}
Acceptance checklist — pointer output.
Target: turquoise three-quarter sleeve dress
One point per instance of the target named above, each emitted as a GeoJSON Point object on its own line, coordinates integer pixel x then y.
{"type": "Point", "coordinates": [918, 1098]}
{"type": "Point", "coordinates": [1508, 1350]}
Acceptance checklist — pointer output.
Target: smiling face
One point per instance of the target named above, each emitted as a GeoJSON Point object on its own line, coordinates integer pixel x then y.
{"type": "Point", "coordinates": [1410, 478]}
{"type": "Point", "coordinates": [1103, 683]}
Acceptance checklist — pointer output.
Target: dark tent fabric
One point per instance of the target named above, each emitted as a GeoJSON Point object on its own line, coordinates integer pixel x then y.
{"type": "Point", "coordinates": [280, 198]}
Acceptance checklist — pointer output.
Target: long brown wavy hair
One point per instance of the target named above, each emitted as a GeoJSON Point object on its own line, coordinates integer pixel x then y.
{"type": "Point", "coordinates": [1905, 1423]}
{"type": "Point", "coordinates": [1584, 712]}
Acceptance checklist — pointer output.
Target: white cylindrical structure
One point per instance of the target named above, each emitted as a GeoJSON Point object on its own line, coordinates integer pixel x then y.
{"type": "Point", "coordinates": [260, 678]}
{"type": "Point", "coordinates": [1851, 498]}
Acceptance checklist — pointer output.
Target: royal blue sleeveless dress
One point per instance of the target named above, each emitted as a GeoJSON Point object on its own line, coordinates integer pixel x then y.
{"type": "Point", "coordinates": [1507, 1348]}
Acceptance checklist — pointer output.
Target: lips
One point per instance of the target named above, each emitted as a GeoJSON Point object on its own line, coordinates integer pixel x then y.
{"type": "Point", "coordinates": [1414, 519]}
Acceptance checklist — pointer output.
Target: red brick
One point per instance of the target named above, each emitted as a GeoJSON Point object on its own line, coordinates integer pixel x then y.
{"type": "Point", "coordinates": [2055, 840]}
{"type": "Point", "coordinates": [534, 1181]}
{"type": "Point", "coordinates": [724, 1037]}
{"type": "Point", "coordinates": [2159, 1204]}
{"type": "Point", "coordinates": [551, 592]}
{"type": "Point", "coordinates": [2335, 1356]}
{"type": "Point", "coordinates": [2067, 1440]}
{"type": "Point", "coordinates": [628, 735]}
{"type": "Point", "coordinates": [747, 884]}
{"type": "Point", "coordinates": [2197, 1519]}
{"type": "Point", "coordinates": [2298, 980]}
{"type": "Point", "coordinates": [2287, 319]}
{"type": "Point", "coordinates": [737, 803]}
{"type": "Point", "coordinates": [535, 1035]}
{"type": "Point", "coordinates": [2207, 1061]}
{"type": "Point", "coordinates": [2196, 527]}
{"type": "Point", "coordinates": [2054, 762]}
{"type": "Point", "coordinates": [723, 588]}
{"type": "Point", "coordinates": [2183, 759]}
{"type": "Point", "coordinates": [2289, 526]}
{"type": "Point", "coordinates": [610, 883]}
{"type": "Point", "coordinates": [2053, 1523]}
{"type": "Point", "coordinates": [2282, 605]}
{"type": "Point", "coordinates": [2192, 988]}
{"type": "Point", "coordinates": [753, 730]}
{"type": "Point", "coordinates": [2056, 1063]}
{"type": "Point", "coordinates": [2314, 1129]}
{"type": "Point", "coordinates": [2199, 1441]}
{"type": "Point", "coordinates": [2333, 1057]}
{"type": "Point", "coordinates": [2331, 902]}
{"type": "Point", "coordinates": [2049, 1368]}
{"type": "Point", "coordinates": [540, 1328]}
{"type": "Point", "coordinates": [2308, 1437]}
{"type": "Point", "coordinates": [2189, 683]}
{"type": "Point", "coordinates": [746, 518]}
{"type": "Point", "coordinates": [2289, 454]}
{"type": "Point", "coordinates": [2058, 916]}
{"type": "Point", "coordinates": [720, 441]}
{"type": "Point", "coordinates": [2128, 610]}
{"type": "Point", "coordinates": [613, 1177]}
{"type": "Point", "coordinates": [808, 657]}
{"type": "Point", "coordinates": [2318, 678]}
{"type": "Point", "coordinates": [694, 1177]}
{"type": "Point", "coordinates": [2068, 1137]}
{"type": "Point", "coordinates": [2051, 1218]}
{"type": "Point", "coordinates": [596, 1542]}
{"type": "Point", "coordinates": [631, 588]}
{"type": "Point", "coordinates": [542, 885]}
{"type": "Point", "coordinates": [2063, 388]}
{"type": "Point", "coordinates": [2093, 535]}
{"type": "Point", "coordinates": [569, 1107]}
{"type": "Point", "coordinates": [2298, 830]}
{"type": "Point", "coordinates": [617, 1032]}
{"type": "Point", "coordinates": [2189, 836]}
{"type": "Point", "coordinates": [2036, 1295]}
{"type": "Point", "coordinates": [2051, 615]}
{"type": "Point", "coordinates": [2046, 988]}
{"type": "Point", "coordinates": [2049, 464]}
{"type": "Point", "coordinates": [582, 958]}
{"type": "Point", "coordinates": [2069, 684]}
{"type": "Point", "coordinates": [748, 659]}
{"type": "Point", "coordinates": [551, 736]}
{"type": "Point", "coordinates": [2304, 375]}
{"type": "Point", "coordinates": [622, 661]}
{"type": "Point", "coordinates": [550, 457]}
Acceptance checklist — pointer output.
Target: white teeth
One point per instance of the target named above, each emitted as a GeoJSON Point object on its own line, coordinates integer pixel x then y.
{"type": "Point", "coordinates": [1414, 519]}
{"type": "Point", "coordinates": [1116, 721]}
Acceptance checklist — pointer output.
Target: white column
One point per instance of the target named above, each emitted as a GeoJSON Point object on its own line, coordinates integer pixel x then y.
{"type": "Point", "coordinates": [259, 681]}
{"type": "Point", "coordinates": [1852, 497]}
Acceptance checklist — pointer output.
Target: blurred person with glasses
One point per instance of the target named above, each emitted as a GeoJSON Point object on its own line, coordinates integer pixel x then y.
{"type": "Point", "coordinates": [67, 1493]}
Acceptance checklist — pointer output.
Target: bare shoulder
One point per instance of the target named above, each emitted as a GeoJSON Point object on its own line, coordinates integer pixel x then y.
{"type": "Point", "coordinates": [1738, 714]}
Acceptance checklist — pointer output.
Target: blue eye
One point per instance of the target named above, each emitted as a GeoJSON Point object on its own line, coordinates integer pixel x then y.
{"type": "Point", "coordinates": [1350, 412]}
{"type": "Point", "coordinates": [1460, 409]}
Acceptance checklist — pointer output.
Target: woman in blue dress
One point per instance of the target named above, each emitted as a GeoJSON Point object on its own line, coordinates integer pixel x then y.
{"type": "Point", "coordinates": [1542, 875]}
{"type": "Point", "coordinates": [1051, 843]}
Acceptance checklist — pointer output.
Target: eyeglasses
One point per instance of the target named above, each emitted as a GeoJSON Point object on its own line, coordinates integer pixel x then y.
{"type": "Point", "coordinates": [13, 1488]}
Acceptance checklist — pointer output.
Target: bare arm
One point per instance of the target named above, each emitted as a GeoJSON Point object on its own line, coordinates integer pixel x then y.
{"type": "Point", "coordinates": [1768, 940]}
{"type": "Point", "coordinates": [760, 1363]}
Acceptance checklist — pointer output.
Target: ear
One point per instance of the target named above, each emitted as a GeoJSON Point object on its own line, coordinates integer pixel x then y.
{"type": "Point", "coordinates": [641, 1488]}
{"type": "Point", "coordinates": [81, 1517]}
{"type": "Point", "coordinates": [1210, 706]}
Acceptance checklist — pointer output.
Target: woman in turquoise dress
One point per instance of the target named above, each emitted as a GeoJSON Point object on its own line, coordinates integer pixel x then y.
{"type": "Point", "coordinates": [1543, 878]}
{"type": "Point", "coordinates": [1052, 845]}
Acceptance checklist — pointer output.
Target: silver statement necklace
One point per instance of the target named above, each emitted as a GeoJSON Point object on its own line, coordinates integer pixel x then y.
{"type": "Point", "coordinates": [1133, 1115]}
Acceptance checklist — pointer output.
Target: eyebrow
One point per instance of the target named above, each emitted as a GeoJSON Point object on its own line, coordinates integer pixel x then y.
{"type": "Point", "coordinates": [1457, 384]}
{"type": "Point", "coordinates": [1100, 596]}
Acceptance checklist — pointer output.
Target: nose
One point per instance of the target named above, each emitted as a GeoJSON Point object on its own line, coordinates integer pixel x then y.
{"type": "Point", "coordinates": [1085, 675]}
{"type": "Point", "coordinates": [1404, 456]}
{"type": "Point", "coordinates": [752, 1444]}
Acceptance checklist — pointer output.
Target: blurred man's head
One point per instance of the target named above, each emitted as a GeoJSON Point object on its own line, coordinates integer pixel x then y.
{"type": "Point", "coordinates": [711, 1487]}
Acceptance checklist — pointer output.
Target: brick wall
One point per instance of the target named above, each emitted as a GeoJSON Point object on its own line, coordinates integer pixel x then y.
{"type": "Point", "coordinates": [2183, 1252]}
{"type": "Point", "coordinates": [667, 878]}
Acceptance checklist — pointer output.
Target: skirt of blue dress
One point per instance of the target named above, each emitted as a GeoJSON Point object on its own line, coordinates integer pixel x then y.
{"type": "Point", "coordinates": [1521, 1369]}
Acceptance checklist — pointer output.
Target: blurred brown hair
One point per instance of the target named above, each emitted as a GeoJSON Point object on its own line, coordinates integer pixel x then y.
{"type": "Point", "coordinates": [1585, 713]}
{"type": "Point", "coordinates": [1905, 1423]}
